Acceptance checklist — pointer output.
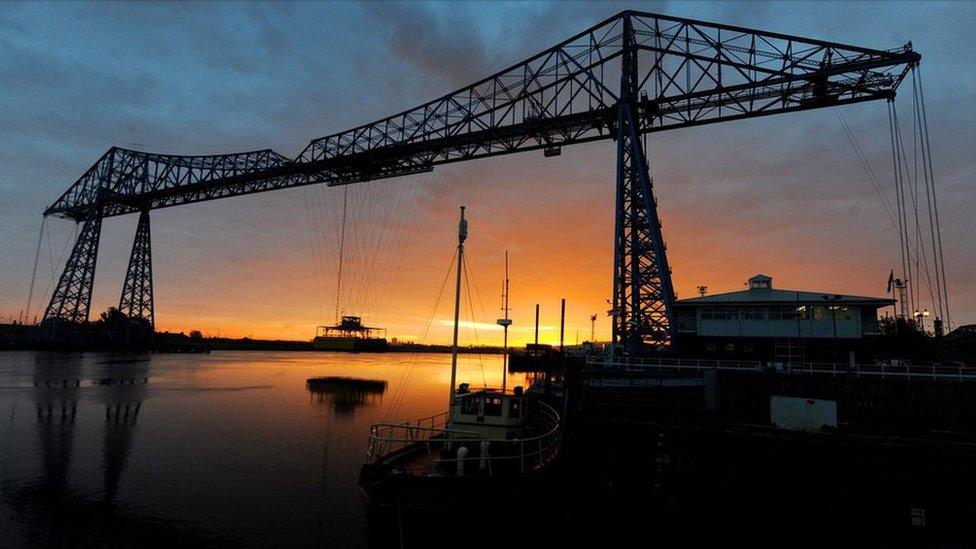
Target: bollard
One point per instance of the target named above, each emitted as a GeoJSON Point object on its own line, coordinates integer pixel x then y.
{"type": "Point", "coordinates": [462, 454]}
{"type": "Point", "coordinates": [483, 462]}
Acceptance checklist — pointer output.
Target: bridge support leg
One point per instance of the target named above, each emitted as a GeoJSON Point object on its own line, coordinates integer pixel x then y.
{"type": "Point", "coordinates": [71, 299]}
{"type": "Point", "coordinates": [136, 301]}
{"type": "Point", "coordinates": [643, 296]}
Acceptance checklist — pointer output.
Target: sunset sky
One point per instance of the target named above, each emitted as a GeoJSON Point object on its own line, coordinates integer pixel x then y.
{"type": "Point", "coordinates": [785, 195]}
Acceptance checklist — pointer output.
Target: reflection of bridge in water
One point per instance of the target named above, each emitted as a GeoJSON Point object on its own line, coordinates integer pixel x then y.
{"type": "Point", "coordinates": [58, 384]}
{"type": "Point", "coordinates": [346, 393]}
{"type": "Point", "coordinates": [63, 384]}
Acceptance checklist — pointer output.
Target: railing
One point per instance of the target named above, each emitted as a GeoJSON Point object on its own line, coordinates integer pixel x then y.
{"type": "Point", "coordinates": [880, 370]}
{"type": "Point", "coordinates": [883, 371]}
{"type": "Point", "coordinates": [670, 364]}
{"type": "Point", "coordinates": [440, 447]}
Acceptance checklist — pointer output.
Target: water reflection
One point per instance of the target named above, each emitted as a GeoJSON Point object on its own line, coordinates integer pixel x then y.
{"type": "Point", "coordinates": [231, 448]}
{"type": "Point", "coordinates": [122, 396]}
{"type": "Point", "coordinates": [57, 382]}
{"type": "Point", "coordinates": [346, 393]}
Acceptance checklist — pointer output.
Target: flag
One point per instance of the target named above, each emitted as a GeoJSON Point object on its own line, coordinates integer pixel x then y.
{"type": "Point", "coordinates": [891, 280]}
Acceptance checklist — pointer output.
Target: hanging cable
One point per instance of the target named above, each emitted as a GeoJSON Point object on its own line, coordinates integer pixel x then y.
{"type": "Point", "coordinates": [896, 166]}
{"type": "Point", "coordinates": [342, 242]}
{"type": "Point", "coordinates": [917, 124]}
{"type": "Point", "coordinates": [872, 176]}
{"type": "Point", "coordinates": [921, 258]}
{"type": "Point", "coordinates": [406, 375]}
{"type": "Point", "coordinates": [37, 255]}
{"type": "Point", "coordinates": [935, 205]}
{"type": "Point", "coordinates": [474, 323]}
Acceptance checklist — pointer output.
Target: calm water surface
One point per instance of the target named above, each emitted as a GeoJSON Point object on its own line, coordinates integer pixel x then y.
{"type": "Point", "coordinates": [219, 449]}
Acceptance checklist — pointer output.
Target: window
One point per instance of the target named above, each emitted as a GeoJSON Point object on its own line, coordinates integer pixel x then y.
{"type": "Point", "coordinates": [730, 347]}
{"type": "Point", "coordinates": [706, 313]}
{"type": "Point", "coordinates": [843, 313]}
{"type": "Point", "coordinates": [801, 312]}
{"type": "Point", "coordinates": [471, 405]}
{"type": "Point", "coordinates": [818, 312]}
{"type": "Point", "coordinates": [747, 347]}
{"type": "Point", "coordinates": [710, 347]}
{"type": "Point", "coordinates": [493, 406]}
{"type": "Point", "coordinates": [753, 313]}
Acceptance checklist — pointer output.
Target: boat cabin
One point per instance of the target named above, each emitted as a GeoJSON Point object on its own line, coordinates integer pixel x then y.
{"type": "Point", "coordinates": [491, 413]}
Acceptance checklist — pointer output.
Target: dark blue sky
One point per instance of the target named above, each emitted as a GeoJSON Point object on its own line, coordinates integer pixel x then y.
{"type": "Point", "coordinates": [784, 194]}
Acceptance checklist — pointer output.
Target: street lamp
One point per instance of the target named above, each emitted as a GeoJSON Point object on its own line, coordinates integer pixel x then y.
{"type": "Point", "coordinates": [920, 318]}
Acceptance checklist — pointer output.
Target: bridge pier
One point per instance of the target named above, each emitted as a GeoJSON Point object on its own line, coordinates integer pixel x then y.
{"type": "Point", "coordinates": [136, 301]}
{"type": "Point", "coordinates": [71, 299]}
{"type": "Point", "coordinates": [642, 290]}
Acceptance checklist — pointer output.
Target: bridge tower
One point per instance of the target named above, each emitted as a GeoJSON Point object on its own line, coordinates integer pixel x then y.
{"type": "Point", "coordinates": [71, 299]}
{"type": "Point", "coordinates": [136, 301]}
{"type": "Point", "coordinates": [642, 290]}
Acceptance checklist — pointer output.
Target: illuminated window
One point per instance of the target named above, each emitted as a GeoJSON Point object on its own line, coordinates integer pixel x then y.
{"type": "Point", "coordinates": [843, 313]}
{"type": "Point", "coordinates": [801, 312]}
{"type": "Point", "coordinates": [818, 312]}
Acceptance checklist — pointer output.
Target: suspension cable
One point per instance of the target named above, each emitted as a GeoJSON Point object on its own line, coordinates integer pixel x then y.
{"type": "Point", "coordinates": [935, 205]}
{"type": "Point", "coordinates": [896, 166]}
{"type": "Point", "coordinates": [342, 243]}
{"type": "Point", "coordinates": [917, 122]}
{"type": "Point", "coordinates": [37, 255]}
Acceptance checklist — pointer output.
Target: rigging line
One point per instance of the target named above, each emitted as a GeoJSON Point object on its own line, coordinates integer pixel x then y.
{"type": "Point", "coordinates": [392, 245]}
{"type": "Point", "coordinates": [906, 259]}
{"type": "Point", "coordinates": [320, 249]}
{"type": "Point", "coordinates": [50, 253]}
{"type": "Point", "coordinates": [911, 180]}
{"type": "Point", "coordinates": [342, 241]}
{"type": "Point", "coordinates": [896, 172]}
{"type": "Point", "coordinates": [920, 250]}
{"type": "Point", "coordinates": [312, 256]}
{"type": "Point", "coordinates": [404, 380]}
{"type": "Point", "coordinates": [921, 257]}
{"type": "Point", "coordinates": [935, 203]}
{"type": "Point", "coordinates": [380, 253]}
{"type": "Point", "coordinates": [74, 236]}
{"type": "Point", "coordinates": [395, 246]}
{"type": "Point", "coordinates": [872, 176]}
{"type": "Point", "coordinates": [37, 255]}
{"type": "Point", "coordinates": [917, 125]}
{"type": "Point", "coordinates": [474, 323]}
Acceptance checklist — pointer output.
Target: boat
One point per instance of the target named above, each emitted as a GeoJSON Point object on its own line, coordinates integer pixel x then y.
{"type": "Point", "coordinates": [350, 335]}
{"type": "Point", "coordinates": [489, 440]}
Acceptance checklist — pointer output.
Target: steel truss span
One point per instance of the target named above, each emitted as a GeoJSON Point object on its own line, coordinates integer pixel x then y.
{"type": "Point", "coordinates": [666, 72]}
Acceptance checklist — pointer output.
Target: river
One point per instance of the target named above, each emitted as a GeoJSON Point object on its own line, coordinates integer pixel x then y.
{"type": "Point", "coordinates": [228, 448]}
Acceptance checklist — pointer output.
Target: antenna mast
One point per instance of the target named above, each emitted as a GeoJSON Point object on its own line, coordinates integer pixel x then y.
{"type": "Point", "coordinates": [462, 235]}
{"type": "Point", "coordinates": [505, 323]}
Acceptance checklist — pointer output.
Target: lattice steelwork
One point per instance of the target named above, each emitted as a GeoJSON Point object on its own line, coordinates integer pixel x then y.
{"type": "Point", "coordinates": [680, 73]}
{"type": "Point", "coordinates": [642, 292]}
{"type": "Point", "coordinates": [72, 296]}
{"type": "Point", "coordinates": [136, 301]}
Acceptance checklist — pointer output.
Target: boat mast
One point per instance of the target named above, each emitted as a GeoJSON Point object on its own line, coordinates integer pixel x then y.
{"type": "Point", "coordinates": [505, 322]}
{"type": "Point", "coordinates": [462, 235]}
